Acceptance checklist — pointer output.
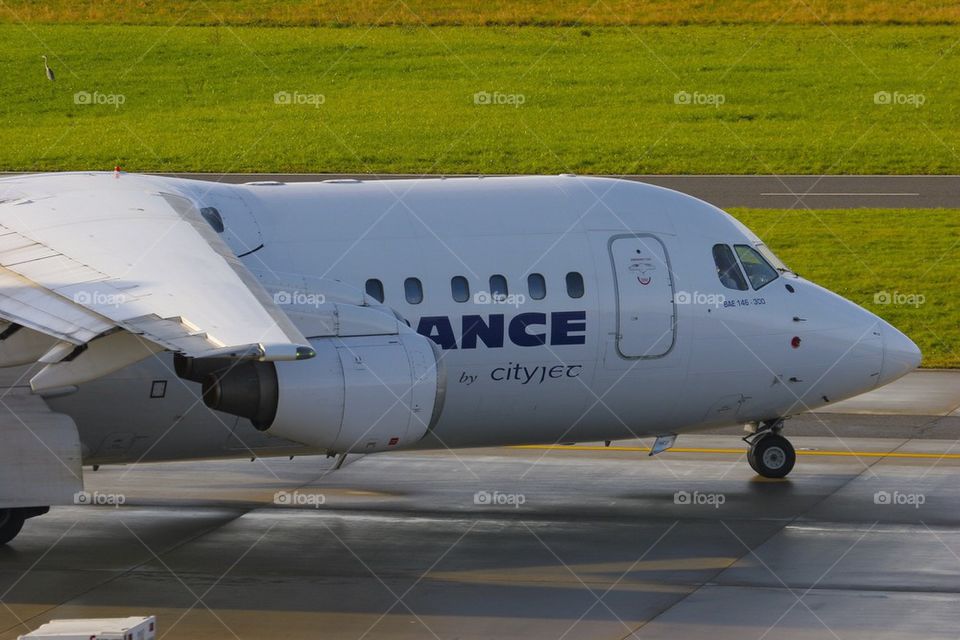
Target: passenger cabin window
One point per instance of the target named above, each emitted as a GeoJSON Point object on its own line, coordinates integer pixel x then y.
{"type": "Point", "coordinates": [498, 286]}
{"type": "Point", "coordinates": [574, 285]}
{"type": "Point", "coordinates": [213, 218]}
{"type": "Point", "coordinates": [536, 286]}
{"type": "Point", "coordinates": [758, 269]}
{"type": "Point", "coordinates": [413, 290]}
{"type": "Point", "coordinates": [727, 268]}
{"type": "Point", "coordinates": [375, 289]}
{"type": "Point", "coordinates": [460, 288]}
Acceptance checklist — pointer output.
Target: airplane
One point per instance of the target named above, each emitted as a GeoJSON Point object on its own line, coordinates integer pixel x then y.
{"type": "Point", "coordinates": [149, 318]}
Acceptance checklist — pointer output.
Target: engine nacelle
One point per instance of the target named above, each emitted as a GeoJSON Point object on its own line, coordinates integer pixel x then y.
{"type": "Point", "coordinates": [357, 395]}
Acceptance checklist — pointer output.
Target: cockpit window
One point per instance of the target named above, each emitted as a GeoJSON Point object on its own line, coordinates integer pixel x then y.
{"type": "Point", "coordinates": [758, 269]}
{"type": "Point", "coordinates": [772, 258]}
{"type": "Point", "coordinates": [727, 268]}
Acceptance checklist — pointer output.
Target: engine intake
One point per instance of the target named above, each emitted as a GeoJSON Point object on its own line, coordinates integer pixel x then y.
{"type": "Point", "coordinates": [357, 395]}
{"type": "Point", "coordinates": [249, 390]}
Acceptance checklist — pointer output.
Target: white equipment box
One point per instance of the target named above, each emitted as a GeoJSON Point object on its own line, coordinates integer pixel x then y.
{"type": "Point", "coordinates": [133, 628]}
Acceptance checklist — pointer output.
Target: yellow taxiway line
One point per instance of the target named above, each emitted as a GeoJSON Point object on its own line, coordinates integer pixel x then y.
{"type": "Point", "coordinates": [843, 454]}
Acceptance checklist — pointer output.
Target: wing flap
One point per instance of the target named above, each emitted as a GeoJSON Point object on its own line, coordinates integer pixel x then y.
{"type": "Point", "coordinates": [102, 356]}
{"type": "Point", "coordinates": [19, 345]}
{"type": "Point", "coordinates": [78, 263]}
{"type": "Point", "coordinates": [48, 313]}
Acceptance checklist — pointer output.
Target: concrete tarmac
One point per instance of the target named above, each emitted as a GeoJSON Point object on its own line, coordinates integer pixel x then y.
{"type": "Point", "coordinates": [862, 541]}
{"type": "Point", "coordinates": [922, 392]}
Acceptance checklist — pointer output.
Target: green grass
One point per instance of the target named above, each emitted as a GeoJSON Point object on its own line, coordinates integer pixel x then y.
{"type": "Point", "coordinates": [798, 99]}
{"type": "Point", "coordinates": [860, 253]}
{"type": "Point", "coordinates": [477, 13]}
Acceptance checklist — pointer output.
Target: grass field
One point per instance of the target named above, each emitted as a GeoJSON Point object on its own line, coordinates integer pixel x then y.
{"type": "Point", "coordinates": [475, 13]}
{"type": "Point", "coordinates": [901, 264]}
{"type": "Point", "coordinates": [721, 99]}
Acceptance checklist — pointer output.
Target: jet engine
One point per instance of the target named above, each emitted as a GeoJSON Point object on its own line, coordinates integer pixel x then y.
{"type": "Point", "coordinates": [359, 394]}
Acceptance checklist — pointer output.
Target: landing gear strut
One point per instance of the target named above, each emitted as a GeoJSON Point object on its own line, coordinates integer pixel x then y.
{"type": "Point", "coordinates": [770, 454]}
{"type": "Point", "coordinates": [12, 519]}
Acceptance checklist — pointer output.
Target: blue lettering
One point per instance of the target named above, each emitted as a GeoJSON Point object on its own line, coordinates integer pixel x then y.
{"type": "Point", "coordinates": [444, 332]}
{"type": "Point", "coordinates": [518, 330]}
{"type": "Point", "coordinates": [566, 328]}
{"type": "Point", "coordinates": [474, 327]}
{"type": "Point", "coordinates": [563, 323]}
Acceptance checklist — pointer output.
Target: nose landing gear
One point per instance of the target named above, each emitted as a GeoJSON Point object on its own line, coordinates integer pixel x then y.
{"type": "Point", "coordinates": [770, 454]}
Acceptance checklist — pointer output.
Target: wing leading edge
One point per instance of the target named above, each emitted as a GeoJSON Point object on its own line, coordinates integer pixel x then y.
{"type": "Point", "coordinates": [92, 280]}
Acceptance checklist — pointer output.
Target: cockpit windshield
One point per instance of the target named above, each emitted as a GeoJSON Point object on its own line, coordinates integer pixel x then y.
{"type": "Point", "coordinates": [759, 272]}
{"type": "Point", "coordinates": [727, 269]}
{"type": "Point", "coordinates": [772, 258]}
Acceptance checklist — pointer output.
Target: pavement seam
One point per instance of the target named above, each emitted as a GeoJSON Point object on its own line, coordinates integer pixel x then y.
{"type": "Point", "coordinates": [752, 550]}
{"type": "Point", "coordinates": [116, 576]}
{"type": "Point", "coordinates": [155, 554]}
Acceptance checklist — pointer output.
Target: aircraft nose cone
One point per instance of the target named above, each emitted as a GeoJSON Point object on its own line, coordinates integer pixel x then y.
{"type": "Point", "coordinates": [900, 355]}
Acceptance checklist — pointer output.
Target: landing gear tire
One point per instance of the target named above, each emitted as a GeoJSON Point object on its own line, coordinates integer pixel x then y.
{"type": "Point", "coordinates": [772, 456]}
{"type": "Point", "coordinates": [11, 521]}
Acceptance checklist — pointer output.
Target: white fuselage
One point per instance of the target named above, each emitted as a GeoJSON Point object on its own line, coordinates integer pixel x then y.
{"type": "Point", "coordinates": [655, 344]}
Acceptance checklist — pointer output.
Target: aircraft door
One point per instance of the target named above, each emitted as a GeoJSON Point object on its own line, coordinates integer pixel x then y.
{"type": "Point", "coordinates": [646, 316]}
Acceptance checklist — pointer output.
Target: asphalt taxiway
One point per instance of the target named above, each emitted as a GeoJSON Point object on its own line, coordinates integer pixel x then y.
{"type": "Point", "coordinates": [586, 541]}
{"type": "Point", "coordinates": [764, 191]}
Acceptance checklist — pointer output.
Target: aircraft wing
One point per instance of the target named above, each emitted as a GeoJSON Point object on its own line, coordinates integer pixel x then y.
{"type": "Point", "coordinates": [87, 289]}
